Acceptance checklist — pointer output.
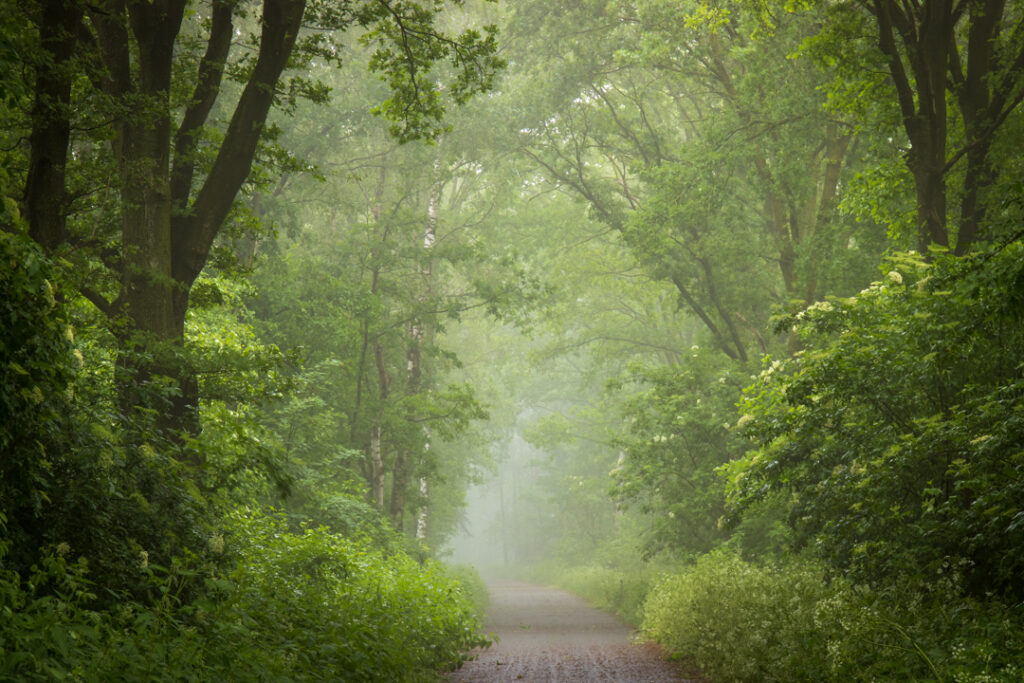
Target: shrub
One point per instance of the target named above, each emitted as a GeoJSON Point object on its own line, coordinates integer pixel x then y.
{"type": "Point", "coordinates": [296, 607]}
{"type": "Point", "coordinates": [739, 621]}
{"type": "Point", "coordinates": [896, 433]}
{"type": "Point", "coordinates": [923, 633]}
{"type": "Point", "coordinates": [473, 587]}
{"type": "Point", "coordinates": [48, 631]}
{"type": "Point", "coordinates": [317, 605]}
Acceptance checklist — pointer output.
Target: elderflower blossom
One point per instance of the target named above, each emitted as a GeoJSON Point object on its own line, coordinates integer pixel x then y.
{"type": "Point", "coordinates": [895, 277]}
{"type": "Point", "coordinates": [216, 544]}
{"type": "Point", "coordinates": [823, 306]}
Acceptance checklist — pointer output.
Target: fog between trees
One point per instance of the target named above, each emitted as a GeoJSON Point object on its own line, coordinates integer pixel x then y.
{"type": "Point", "coordinates": [710, 312]}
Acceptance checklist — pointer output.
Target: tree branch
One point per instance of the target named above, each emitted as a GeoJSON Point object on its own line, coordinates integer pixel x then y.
{"type": "Point", "coordinates": [211, 71]}
{"type": "Point", "coordinates": [193, 235]}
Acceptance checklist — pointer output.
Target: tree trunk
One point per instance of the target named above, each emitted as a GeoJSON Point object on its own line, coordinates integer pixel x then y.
{"type": "Point", "coordinates": [836, 146]}
{"type": "Point", "coordinates": [414, 360]}
{"type": "Point", "coordinates": [45, 194]}
{"type": "Point", "coordinates": [421, 519]}
{"type": "Point", "coordinates": [152, 347]}
{"type": "Point", "coordinates": [376, 469]}
{"type": "Point", "coordinates": [399, 482]}
{"type": "Point", "coordinates": [982, 102]}
{"type": "Point", "coordinates": [376, 451]}
{"type": "Point", "coordinates": [927, 38]}
{"type": "Point", "coordinates": [166, 238]}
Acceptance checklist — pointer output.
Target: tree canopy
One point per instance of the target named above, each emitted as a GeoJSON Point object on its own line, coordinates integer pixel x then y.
{"type": "Point", "coordinates": [708, 311]}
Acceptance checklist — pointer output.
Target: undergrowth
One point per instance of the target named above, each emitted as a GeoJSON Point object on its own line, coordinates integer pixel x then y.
{"type": "Point", "coordinates": [291, 607]}
{"type": "Point", "coordinates": [741, 621]}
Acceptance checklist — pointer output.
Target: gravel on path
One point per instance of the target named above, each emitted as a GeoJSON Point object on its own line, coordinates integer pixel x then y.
{"type": "Point", "coordinates": [548, 635]}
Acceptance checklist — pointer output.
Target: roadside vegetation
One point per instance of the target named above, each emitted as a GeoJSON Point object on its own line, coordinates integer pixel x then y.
{"type": "Point", "coordinates": [774, 419]}
{"type": "Point", "coordinates": [710, 312]}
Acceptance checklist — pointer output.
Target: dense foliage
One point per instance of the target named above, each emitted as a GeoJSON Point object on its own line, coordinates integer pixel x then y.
{"type": "Point", "coordinates": [921, 474]}
{"type": "Point", "coordinates": [743, 621]}
{"type": "Point", "coordinates": [271, 305]}
{"type": "Point", "coordinates": [159, 518]}
{"type": "Point", "coordinates": [307, 606]}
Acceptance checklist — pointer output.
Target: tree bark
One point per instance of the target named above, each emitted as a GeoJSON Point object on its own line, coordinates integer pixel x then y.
{"type": "Point", "coordinates": [927, 38]}
{"type": "Point", "coordinates": [414, 362]}
{"type": "Point", "coordinates": [986, 92]}
{"type": "Point", "coordinates": [166, 241]}
{"type": "Point", "coordinates": [376, 436]}
{"type": "Point", "coordinates": [45, 195]}
{"type": "Point", "coordinates": [376, 468]}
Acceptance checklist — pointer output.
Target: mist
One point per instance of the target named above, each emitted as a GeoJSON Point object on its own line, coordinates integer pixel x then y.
{"type": "Point", "coordinates": [708, 314]}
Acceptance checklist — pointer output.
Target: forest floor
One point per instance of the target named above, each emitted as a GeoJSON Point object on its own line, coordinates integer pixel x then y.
{"type": "Point", "coordinates": [548, 635]}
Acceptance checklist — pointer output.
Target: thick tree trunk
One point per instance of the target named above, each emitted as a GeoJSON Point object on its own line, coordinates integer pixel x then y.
{"type": "Point", "coordinates": [166, 238]}
{"type": "Point", "coordinates": [982, 100]}
{"type": "Point", "coordinates": [927, 37]}
{"type": "Point", "coordinates": [979, 175]}
{"type": "Point", "coordinates": [927, 166]}
{"type": "Point", "coordinates": [152, 345]}
{"type": "Point", "coordinates": [51, 127]}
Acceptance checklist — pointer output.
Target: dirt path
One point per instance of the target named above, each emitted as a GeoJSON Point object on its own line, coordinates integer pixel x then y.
{"type": "Point", "coordinates": [549, 635]}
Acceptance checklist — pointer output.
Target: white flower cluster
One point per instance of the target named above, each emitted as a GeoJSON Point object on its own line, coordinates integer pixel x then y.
{"type": "Point", "coordinates": [816, 307]}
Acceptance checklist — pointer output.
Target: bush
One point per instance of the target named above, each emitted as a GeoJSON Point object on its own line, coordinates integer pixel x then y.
{"type": "Point", "coordinates": [297, 607]}
{"type": "Point", "coordinates": [739, 621]}
{"type": "Point", "coordinates": [897, 433]}
{"type": "Point", "coordinates": [318, 606]}
{"type": "Point", "coordinates": [48, 631]}
{"type": "Point", "coordinates": [473, 587]}
{"type": "Point", "coordinates": [923, 633]}
{"type": "Point", "coordinates": [68, 475]}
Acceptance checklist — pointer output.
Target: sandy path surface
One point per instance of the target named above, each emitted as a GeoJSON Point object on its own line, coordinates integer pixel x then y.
{"type": "Point", "coordinates": [549, 635]}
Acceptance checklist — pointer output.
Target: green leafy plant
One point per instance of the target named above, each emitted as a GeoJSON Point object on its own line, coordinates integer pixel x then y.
{"type": "Point", "coordinates": [897, 433]}
{"type": "Point", "coordinates": [744, 621]}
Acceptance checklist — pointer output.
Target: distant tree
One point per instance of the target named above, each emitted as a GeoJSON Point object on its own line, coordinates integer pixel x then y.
{"type": "Point", "coordinates": [696, 134]}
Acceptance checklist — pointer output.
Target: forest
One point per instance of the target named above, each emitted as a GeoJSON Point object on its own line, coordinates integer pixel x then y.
{"type": "Point", "coordinates": [312, 310]}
